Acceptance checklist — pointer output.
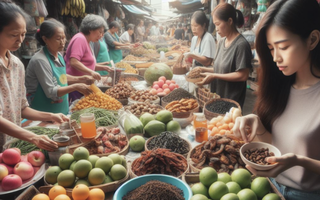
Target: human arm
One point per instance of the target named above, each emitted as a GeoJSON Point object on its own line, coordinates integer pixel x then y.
{"type": "Point", "coordinates": [238, 76]}
{"type": "Point", "coordinates": [32, 114]}
{"type": "Point", "coordinates": [80, 87]}
{"type": "Point", "coordinates": [100, 67]}
{"type": "Point", "coordinates": [86, 79]}
{"type": "Point", "coordinates": [205, 61]}
{"type": "Point", "coordinates": [41, 141]}
{"type": "Point", "coordinates": [81, 67]}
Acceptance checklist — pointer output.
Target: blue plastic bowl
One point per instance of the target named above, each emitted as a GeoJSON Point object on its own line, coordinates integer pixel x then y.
{"type": "Point", "coordinates": [141, 180]}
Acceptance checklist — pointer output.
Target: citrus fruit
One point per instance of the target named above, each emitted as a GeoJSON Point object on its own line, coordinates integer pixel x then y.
{"type": "Point", "coordinates": [224, 177]}
{"type": "Point", "coordinates": [104, 163]}
{"type": "Point", "coordinates": [82, 168]}
{"type": "Point", "coordinates": [41, 197]}
{"type": "Point", "coordinates": [62, 197]}
{"type": "Point", "coordinates": [199, 188]}
{"type": "Point", "coordinates": [260, 186]}
{"type": "Point", "coordinates": [96, 194]}
{"type": "Point", "coordinates": [55, 191]}
{"type": "Point", "coordinates": [247, 194]}
{"type": "Point", "coordinates": [217, 190]}
{"type": "Point", "coordinates": [66, 178]}
{"type": "Point", "coordinates": [116, 158]}
{"type": "Point", "coordinates": [65, 160]}
{"type": "Point", "coordinates": [207, 176]}
{"type": "Point", "coordinates": [82, 181]}
{"type": "Point", "coordinates": [80, 192]}
{"type": "Point", "coordinates": [230, 196]}
{"type": "Point", "coordinates": [233, 187]}
{"type": "Point", "coordinates": [52, 174]}
{"type": "Point", "coordinates": [81, 153]}
{"type": "Point", "coordinates": [137, 143]}
{"type": "Point", "coordinates": [242, 177]}
{"type": "Point", "coordinates": [96, 176]}
{"type": "Point", "coordinates": [72, 165]}
{"type": "Point", "coordinates": [199, 197]}
{"type": "Point", "coordinates": [93, 159]}
{"type": "Point", "coordinates": [107, 179]}
{"type": "Point", "coordinates": [271, 196]}
{"type": "Point", "coordinates": [117, 172]}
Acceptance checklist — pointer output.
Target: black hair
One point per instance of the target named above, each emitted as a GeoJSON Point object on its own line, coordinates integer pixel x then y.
{"type": "Point", "coordinates": [130, 27]}
{"type": "Point", "coordinates": [225, 11]}
{"type": "Point", "coordinates": [48, 29]}
{"type": "Point", "coordinates": [114, 24]}
{"type": "Point", "coordinates": [201, 19]}
{"type": "Point", "coordinates": [9, 12]}
{"type": "Point", "coordinates": [180, 25]}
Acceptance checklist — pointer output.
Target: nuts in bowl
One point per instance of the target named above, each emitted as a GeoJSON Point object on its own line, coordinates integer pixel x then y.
{"type": "Point", "coordinates": [254, 154]}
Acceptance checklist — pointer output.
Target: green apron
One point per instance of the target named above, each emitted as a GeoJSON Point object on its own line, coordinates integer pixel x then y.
{"type": "Point", "coordinates": [115, 55]}
{"type": "Point", "coordinates": [103, 55]}
{"type": "Point", "coordinates": [40, 101]}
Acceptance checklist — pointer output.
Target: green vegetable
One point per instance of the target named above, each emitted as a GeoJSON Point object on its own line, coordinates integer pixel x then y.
{"type": "Point", "coordinates": [132, 125]}
{"type": "Point", "coordinates": [162, 49]}
{"type": "Point", "coordinates": [98, 113]}
{"type": "Point", "coordinates": [108, 120]}
{"type": "Point", "coordinates": [148, 45]}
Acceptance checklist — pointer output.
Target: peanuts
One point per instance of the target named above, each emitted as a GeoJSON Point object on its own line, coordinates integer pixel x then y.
{"type": "Point", "coordinates": [143, 96]}
{"type": "Point", "coordinates": [258, 155]}
{"type": "Point", "coordinates": [183, 105]}
{"type": "Point", "coordinates": [140, 108]}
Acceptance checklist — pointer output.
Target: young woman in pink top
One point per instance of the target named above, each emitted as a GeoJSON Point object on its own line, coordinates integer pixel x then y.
{"type": "Point", "coordinates": [287, 108]}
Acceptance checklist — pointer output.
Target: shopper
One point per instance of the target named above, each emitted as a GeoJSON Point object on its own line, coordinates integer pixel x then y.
{"type": "Point", "coordinates": [232, 62]}
{"type": "Point", "coordinates": [126, 37]}
{"type": "Point", "coordinates": [79, 58]}
{"type": "Point", "coordinates": [114, 45]}
{"type": "Point", "coordinates": [179, 33]}
{"type": "Point", "coordinates": [287, 111]}
{"type": "Point", "coordinates": [140, 31]}
{"type": "Point", "coordinates": [47, 82]}
{"type": "Point", "coordinates": [171, 30]}
{"type": "Point", "coordinates": [13, 102]}
{"type": "Point", "coordinates": [155, 31]}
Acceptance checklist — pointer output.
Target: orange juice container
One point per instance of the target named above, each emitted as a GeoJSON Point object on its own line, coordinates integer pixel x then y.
{"type": "Point", "coordinates": [201, 127]}
{"type": "Point", "coordinates": [88, 125]}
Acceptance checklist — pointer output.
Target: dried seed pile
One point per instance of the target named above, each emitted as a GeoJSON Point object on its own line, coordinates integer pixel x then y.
{"type": "Point", "coordinates": [169, 140]}
{"type": "Point", "coordinates": [156, 190]}
{"type": "Point", "coordinates": [220, 107]}
{"type": "Point", "coordinates": [195, 73]}
{"type": "Point", "coordinates": [178, 94]}
{"type": "Point", "coordinates": [258, 155]}
{"type": "Point", "coordinates": [120, 91]}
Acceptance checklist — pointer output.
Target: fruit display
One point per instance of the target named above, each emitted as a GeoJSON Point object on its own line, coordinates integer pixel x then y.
{"type": "Point", "coordinates": [76, 8]}
{"type": "Point", "coordinates": [183, 105]}
{"type": "Point", "coordinates": [223, 124]}
{"type": "Point", "coordinates": [143, 96]}
{"type": "Point", "coordinates": [16, 169]}
{"type": "Point", "coordinates": [148, 45]}
{"type": "Point", "coordinates": [131, 124]}
{"type": "Point", "coordinates": [121, 90]}
{"type": "Point", "coordinates": [238, 186]}
{"type": "Point", "coordinates": [134, 58]}
{"type": "Point", "coordinates": [141, 51]}
{"type": "Point", "coordinates": [137, 143]}
{"type": "Point", "coordinates": [164, 49]}
{"type": "Point", "coordinates": [163, 86]}
{"type": "Point", "coordinates": [220, 152]}
{"type": "Point", "coordinates": [98, 99]}
{"type": "Point", "coordinates": [128, 68]}
{"type": "Point", "coordinates": [140, 108]}
{"type": "Point", "coordinates": [109, 141]}
{"type": "Point", "coordinates": [157, 70]}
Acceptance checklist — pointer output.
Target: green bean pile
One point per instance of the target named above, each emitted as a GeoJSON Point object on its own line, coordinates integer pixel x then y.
{"type": "Point", "coordinates": [111, 116]}
{"type": "Point", "coordinates": [107, 120]}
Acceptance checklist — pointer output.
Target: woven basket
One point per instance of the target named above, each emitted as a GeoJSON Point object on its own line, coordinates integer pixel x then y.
{"type": "Point", "coordinates": [185, 114]}
{"type": "Point", "coordinates": [204, 96]}
{"type": "Point", "coordinates": [209, 115]}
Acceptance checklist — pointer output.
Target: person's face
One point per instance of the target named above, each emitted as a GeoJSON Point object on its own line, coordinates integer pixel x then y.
{"type": "Point", "coordinates": [130, 31]}
{"type": "Point", "coordinates": [141, 23]}
{"type": "Point", "coordinates": [289, 51]}
{"type": "Point", "coordinates": [13, 34]}
{"type": "Point", "coordinates": [57, 41]}
{"type": "Point", "coordinates": [197, 29]}
{"type": "Point", "coordinates": [97, 34]}
{"type": "Point", "coordinates": [223, 28]}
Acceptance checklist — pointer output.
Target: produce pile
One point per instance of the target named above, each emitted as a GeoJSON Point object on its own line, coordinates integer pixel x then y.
{"type": "Point", "coordinates": [183, 105]}
{"type": "Point", "coordinates": [102, 116]}
{"type": "Point", "coordinates": [159, 161]}
{"type": "Point", "coordinates": [148, 45]}
{"type": "Point", "coordinates": [140, 108]}
{"type": "Point", "coordinates": [26, 147]}
{"type": "Point", "coordinates": [163, 86]}
{"type": "Point", "coordinates": [177, 95]}
{"type": "Point", "coordinates": [143, 96]}
{"type": "Point", "coordinates": [194, 73]}
{"type": "Point", "coordinates": [128, 68]}
{"type": "Point", "coordinates": [140, 51]}
{"type": "Point", "coordinates": [121, 90]}
{"type": "Point", "coordinates": [258, 155]}
{"type": "Point", "coordinates": [162, 49]}
{"type": "Point", "coordinates": [220, 106]}
{"type": "Point", "coordinates": [134, 58]}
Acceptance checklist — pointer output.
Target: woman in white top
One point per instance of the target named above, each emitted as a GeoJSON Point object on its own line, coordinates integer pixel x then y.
{"type": "Point", "coordinates": [126, 37]}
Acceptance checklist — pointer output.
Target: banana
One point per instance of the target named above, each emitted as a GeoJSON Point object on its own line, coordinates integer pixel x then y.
{"type": "Point", "coordinates": [68, 4]}
{"type": "Point", "coordinates": [83, 6]}
{"type": "Point", "coordinates": [77, 3]}
{"type": "Point", "coordinates": [67, 11]}
{"type": "Point", "coordinates": [62, 11]}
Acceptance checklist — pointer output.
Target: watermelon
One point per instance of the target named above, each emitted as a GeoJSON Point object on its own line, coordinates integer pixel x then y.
{"type": "Point", "coordinates": [156, 70]}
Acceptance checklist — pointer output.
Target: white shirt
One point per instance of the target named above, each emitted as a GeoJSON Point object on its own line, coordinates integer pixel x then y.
{"type": "Point", "coordinates": [125, 37]}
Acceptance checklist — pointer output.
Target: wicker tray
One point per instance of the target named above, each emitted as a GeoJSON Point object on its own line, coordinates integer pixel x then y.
{"type": "Point", "coordinates": [209, 115]}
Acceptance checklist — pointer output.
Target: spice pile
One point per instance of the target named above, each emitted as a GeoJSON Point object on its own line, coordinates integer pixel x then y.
{"type": "Point", "coordinates": [220, 106]}
{"type": "Point", "coordinates": [159, 161]}
{"type": "Point", "coordinates": [169, 140]}
{"type": "Point", "coordinates": [121, 90]}
{"type": "Point", "coordinates": [155, 190]}
{"type": "Point", "coordinates": [258, 155]}
{"type": "Point", "coordinates": [177, 95]}
{"type": "Point", "coordinates": [127, 67]}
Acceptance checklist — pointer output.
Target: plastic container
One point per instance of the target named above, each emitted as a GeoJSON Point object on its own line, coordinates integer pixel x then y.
{"type": "Point", "coordinates": [201, 127]}
{"type": "Point", "coordinates": [88, 126]}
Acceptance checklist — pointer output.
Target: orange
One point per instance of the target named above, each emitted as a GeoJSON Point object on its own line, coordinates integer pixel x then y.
{"type": "Point", "coordinates": [41, 197]}
{"type": "Point", "coordinates": [80, 192]}
{"type": "Point", "coordinates": [96, 194]}
{"type": "Point", "coordinates": [62, 197]}
{"type": "Point", "coordinates": [55, 191]}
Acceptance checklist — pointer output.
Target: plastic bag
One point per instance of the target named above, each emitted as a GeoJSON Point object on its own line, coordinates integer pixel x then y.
{"type": "Point", "coordinates": [42, 8]}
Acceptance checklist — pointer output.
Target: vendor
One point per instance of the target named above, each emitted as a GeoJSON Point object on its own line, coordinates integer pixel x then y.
{"type": "Point", "coordinates": [112, 39]}
{"type": "Point", "coordinates": [101, 53]}
{"type": "Point", "coordinates": [126, 37]}
{"type": "Point", "coordinates": [13, 102]}
{"type": "Point", "coordinates": [79, 58]}
{"type": "Point", "coordinates": [287, 107]}
{"type": "Point", "coordinates": [232, 62]}
{"type": "Point", "coordinates": [46, 79]}
{"type": "Point", "coordinates": [140, 31]}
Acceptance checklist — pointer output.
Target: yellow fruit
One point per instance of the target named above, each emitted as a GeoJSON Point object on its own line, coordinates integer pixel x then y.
{"type": "Point", "coordinates": [55, 191]}
{"type": "Point", "coordinates": [41, 197]}
{"type": "Point", "coordinates": [80, 192]}
{"type": "Point", "coordinates": [96, 194]}
{"type": "Point", "coordinates": [62, 197]}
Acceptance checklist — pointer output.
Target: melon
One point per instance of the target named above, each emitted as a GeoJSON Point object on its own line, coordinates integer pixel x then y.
{"type": "Point", "coordinates": [157, 70]}
{"type": "Point", "coordinates": [154, 127]}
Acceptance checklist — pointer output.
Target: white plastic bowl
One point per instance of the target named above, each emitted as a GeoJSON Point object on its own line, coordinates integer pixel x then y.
{"type": "Point", "coordinates": [259, 145]}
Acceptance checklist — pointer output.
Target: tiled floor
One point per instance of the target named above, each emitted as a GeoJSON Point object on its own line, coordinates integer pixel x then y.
{"type": "Point", "coordinates": [249, 102]}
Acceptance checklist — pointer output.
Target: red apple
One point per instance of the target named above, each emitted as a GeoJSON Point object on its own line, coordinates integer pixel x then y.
{"type": "Point", "coordinates": [24, 170]}
{"type": "Point", "coordinates": [1, 158]}
{"type": "Point", "coordinates": [11, 156]}
{"type": "Point", "coordinates": [168, 82]}
{"type": "Point", "coordinates": [24, 158]}
{"type": "Point", "coordinates": [153, 91]}
{"type": "Point", "coordinates": [3, 172]}
{"type": "Point", "coordinates": [163, 78]}
{"type": "Point", "coordinates": [160, 83]}
{"type": "Point", "coordinates": [172, 86]}
{"type": "Point", "coordinates": [173, 81]}
{"type": "Point", "coordinates": [160, 90]}
{"type": "Point", "coordinates": [18, 150]}
{"type": "Point", "coordinates": [165, 86]}
{"type": "Point", "coordinates": [155, 86]}
{"type": "Point", "coordinates": [11, 182]}
{"type": "Point", "coordinates": [155, 83]}
{"type": "Point", "coordinates": [167, 91]}
{"type": "Point", "coordinates": [10, 168]}
{"type": "Point", "coordinates": [36, 158]}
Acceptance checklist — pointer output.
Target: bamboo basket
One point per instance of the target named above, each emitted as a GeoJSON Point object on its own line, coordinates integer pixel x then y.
{"type": "Point", "coordinates": [209, 115]}
{"type": "Point", "coordinates": [204, 96]}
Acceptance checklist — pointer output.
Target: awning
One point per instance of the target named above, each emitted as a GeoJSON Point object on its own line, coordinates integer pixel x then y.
{"type": "Point", "coordinates": [186, 5]}
{"type": "Point", "coordinates": [135, 10]}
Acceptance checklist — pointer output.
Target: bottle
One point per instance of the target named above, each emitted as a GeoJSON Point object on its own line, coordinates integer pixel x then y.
{"type": "Point", "coordinates": [201, 127]}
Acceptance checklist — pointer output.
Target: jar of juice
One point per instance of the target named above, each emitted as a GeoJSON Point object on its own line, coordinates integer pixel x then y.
{"type": "Point", "coordinates": [200, 126]}
{"type": "Point", "coordinates": [88, 125]}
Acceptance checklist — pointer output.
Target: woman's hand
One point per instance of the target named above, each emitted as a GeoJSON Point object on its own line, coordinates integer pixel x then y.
{"type": "Point", "coordinates": [43, 142]}
{"type": "Point", "coordinates": [207, 78]}
{"type": "Point", "coordinates": [96, 75]}
{"type": "Point", "coordinates": [285, 162]}
{"type": "Point", "coordinates": [83, 88]}
{"type": "Point", "coordinates": [88, 80]}
{"type": "Point", "coordinates": [59, 117]}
